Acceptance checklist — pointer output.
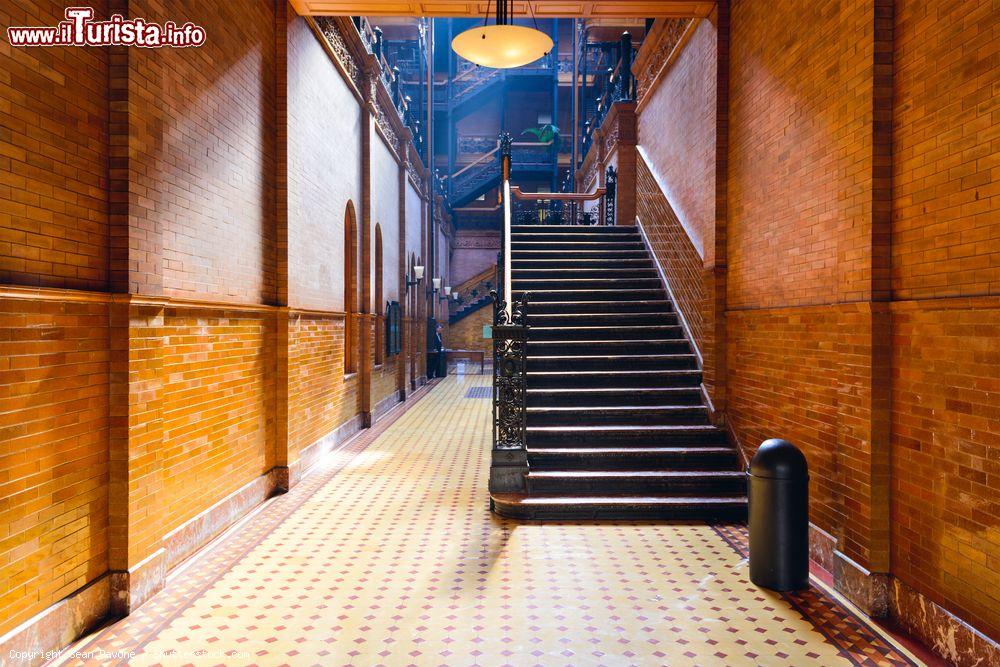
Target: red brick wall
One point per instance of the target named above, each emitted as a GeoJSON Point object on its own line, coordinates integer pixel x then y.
{"type": "Point", "coordinates": [783, 381]}
{"type": "Point", "coordinates": [324, 170]}
{"type": "Point", "coordinates": [385, 213]}
{"type": "Point", "coordinates": [674, 250]}
{"type": "Point", "coordinates": [54, 452]}
{"type": "Point", "coordinates": [133, 415]}
{"type": "Point", "coordinates": [203, 142]}
{"type": "Point", "coordinates": [946, 439]}
{"type": "Point", "coordinates": [53, 158]}
{"type": "Point", "coordinates": [467, 333]}
{"type": "Point", "coordinates": [945, 234]}
{"type": "Point", "coordinates": [946, 172]}
{"type": "Point", "coordinates": [800, 152]}
{"type": "Point", "coordinates": [677, 177]}
{"type": "Point", "coordinates": [218, 416]}
{"type": "Point", "coordinates": [54, 353]}
{"type": "Point", "coordinates": [812, 354]}
{"type": "Point", "coordinates": [799, 233]}
{"type": "Point", "coordinates": [320, 398]}
{"type": "Point", "coordinates": [677, 134]}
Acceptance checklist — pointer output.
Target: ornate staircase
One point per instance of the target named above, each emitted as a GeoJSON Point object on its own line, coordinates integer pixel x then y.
{"type": "Point", "coordinates": [615, 427]}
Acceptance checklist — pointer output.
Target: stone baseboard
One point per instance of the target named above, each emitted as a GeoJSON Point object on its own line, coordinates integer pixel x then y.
{"type": "Point", "coordinates": [118, 593]}
{"type": "Point", "coordinates": [132, 587]}
{"type": "Point", "coordinates": [821, 547]}
{"type": "Point", "coordinates": [312, 454]}
{"type": "Point", "coordinates": [387, 403]}
{"type": "Point", "coordinates": [198, 531]}
{"type": "Point", "coordinates": [869, 591]}
{"type": "Point", "coordinates": [35, 641]}
{"type": "Point", "coordinates": [945, 634]}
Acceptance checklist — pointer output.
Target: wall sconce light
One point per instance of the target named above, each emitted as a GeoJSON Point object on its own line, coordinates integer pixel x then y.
{"type": "Point", "coordinates": [447, 293]}
{"type": "Point", "coordinates": [436, 282]}
{"type": "Point", "coordinates": [418, 275]}
{"type": "Point", "coordinates": [455, 294]}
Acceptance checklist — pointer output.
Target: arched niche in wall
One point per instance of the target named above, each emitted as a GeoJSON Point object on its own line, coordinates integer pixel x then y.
{"type": "Point", "coordinates": [351, 285]}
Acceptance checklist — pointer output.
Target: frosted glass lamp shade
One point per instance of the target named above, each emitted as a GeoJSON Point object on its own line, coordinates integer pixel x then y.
{"type": "Point", "coordinates": [502, 46]}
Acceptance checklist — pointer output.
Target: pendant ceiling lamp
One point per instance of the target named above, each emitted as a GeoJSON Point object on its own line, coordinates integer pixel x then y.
{"type": "Point", "coordinates": [502, 45]}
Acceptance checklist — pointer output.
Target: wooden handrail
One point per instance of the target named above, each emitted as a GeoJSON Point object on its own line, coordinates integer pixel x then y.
{"type": "Point", "coordinates": [481, 277]}
{"type": "Point", "coordinates": [494, 151]}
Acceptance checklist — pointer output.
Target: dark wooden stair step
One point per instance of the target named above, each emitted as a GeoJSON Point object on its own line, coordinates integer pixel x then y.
{"type": "Point", "coordinates": [591, 294]}
{"type": "Point", "coordinates": [598, 396]}
{"type": "Point", "coordinates": [645, 435]}
{"type": "Point", "coordinates": [619, 379]}
{"type": "Point", "coordinates": [666, 318]}
{"type": "Point", "coordinates": [541, 307]}
{"type": "Point", "coordinates": [633, 508]}
{"type": "Point", "coordinates": [563, 237]}
{"type": "Point", "coordinates": [604, 457]}
{"type": "Point", "coordinates": [575, 284]}
{"type": "Point", "coordinates": [569, 264]}
{"type": "Point", "coordinates": [567, 253]}
{"type": "Point", "coordinates": [611, 415]}
{"type": "Point", "coordinates": [650, 481]}
{"type": "Point", "coordinates": [561, 347]}
{"type": "Point", "coordinates": [635, 332]}
{"type": "Point", "coordinates": [575, 244]}
{"type": "Point", "coordinates": [610, 362]}
{"type": "Point", "coordinates": [577, 273]}
{"type": "Point", "coordinates": [574, 229]}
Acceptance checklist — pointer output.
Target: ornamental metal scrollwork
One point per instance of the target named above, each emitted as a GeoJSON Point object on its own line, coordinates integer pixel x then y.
{"type": "Point", "coordinates": [510, 356]}
{"type": "Point", "coordinates": [611, 197]}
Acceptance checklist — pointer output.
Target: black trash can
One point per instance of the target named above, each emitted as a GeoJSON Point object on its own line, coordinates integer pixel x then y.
{"type": "Point", "coordinates": [779, 517]}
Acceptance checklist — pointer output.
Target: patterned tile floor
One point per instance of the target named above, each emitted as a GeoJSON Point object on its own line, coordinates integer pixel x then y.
{"type": "Point", "coordinates": [388, 555]}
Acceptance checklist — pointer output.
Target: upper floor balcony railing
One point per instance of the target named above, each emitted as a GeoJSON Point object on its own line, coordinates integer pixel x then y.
{"type": "Point", "coordinates": [409, 113]}
{"type": "Point", "coordinates": [615, 84]}
{"type": "Point", "coordinates": [479, 171]}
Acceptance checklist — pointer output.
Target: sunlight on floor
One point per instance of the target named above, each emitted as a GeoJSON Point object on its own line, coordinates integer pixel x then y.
{"type": "Point", "coordinates": [388, 554]}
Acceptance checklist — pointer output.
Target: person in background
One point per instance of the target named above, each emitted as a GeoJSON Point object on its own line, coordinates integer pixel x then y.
{"type": "Point", "coordinates": [436, 358]}
{"type": "Point", "coordinates": [442, 369]}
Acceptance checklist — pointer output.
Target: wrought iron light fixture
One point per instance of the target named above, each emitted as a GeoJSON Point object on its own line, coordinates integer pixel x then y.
{"type": "Point", "coordinates": [503, 45]}
{"type": "Point", "coordinates": [418, 275]}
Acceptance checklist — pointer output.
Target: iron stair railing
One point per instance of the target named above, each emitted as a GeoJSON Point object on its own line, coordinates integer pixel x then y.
{"type": "Point", "coordinates": [509, 458]}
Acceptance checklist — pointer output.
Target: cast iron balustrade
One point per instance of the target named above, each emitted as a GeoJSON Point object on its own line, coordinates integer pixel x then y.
{"type": "Point", "coordinates": [568, 208]}
{"type": "Point", "coordinates": [390, 75]}
{"type": "Point", "coordinates": [615, 84]}
{"type": "Point", "coordinates": [509, 460]}
{"type": "Point", "coordinates": [480, 173]}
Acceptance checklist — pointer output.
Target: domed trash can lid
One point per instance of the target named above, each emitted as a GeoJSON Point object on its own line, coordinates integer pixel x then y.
{"type": "Point", "coordinates": [779, 459]}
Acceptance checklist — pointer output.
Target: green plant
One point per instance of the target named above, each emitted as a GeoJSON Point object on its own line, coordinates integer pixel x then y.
{"type": "Point", "coordinates": [545, 134]}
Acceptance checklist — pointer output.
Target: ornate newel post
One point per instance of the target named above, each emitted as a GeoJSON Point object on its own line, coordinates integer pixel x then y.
{"type": "Point", "coordinates": [509, 463]}
{"type": "Point", "coordinates": [611, 197]}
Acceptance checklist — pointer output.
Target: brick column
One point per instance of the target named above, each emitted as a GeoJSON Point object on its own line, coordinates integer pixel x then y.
{"type": "Point", "coordinates": [715, 267]}
{"type": "Point", "coordinates": [404, 169]}
{"type": "Point", "coordinates": [861, 558]}
{"type": "Point", "coordinates": [281, 338]}
{"type": "Point", "coordinates": [621, 134]}
{"type": "Point", "coordinates": [368, 112]}
{"type": "Point", "coordinates": [136, 318]}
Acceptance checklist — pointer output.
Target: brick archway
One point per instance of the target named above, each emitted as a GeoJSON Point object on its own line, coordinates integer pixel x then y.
{"type": "Point", "coordinates": [351, 282]}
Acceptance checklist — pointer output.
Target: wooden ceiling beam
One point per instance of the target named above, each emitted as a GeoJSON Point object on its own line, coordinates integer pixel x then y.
{"type": "Point", "coordinates": [478, 8]}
